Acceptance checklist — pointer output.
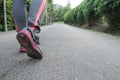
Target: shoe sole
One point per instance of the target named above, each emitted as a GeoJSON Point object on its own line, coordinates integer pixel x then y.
{"type": "Point", "coordinates": [24, 38]}
{"type": "Point", "coordinates": [23, 51]}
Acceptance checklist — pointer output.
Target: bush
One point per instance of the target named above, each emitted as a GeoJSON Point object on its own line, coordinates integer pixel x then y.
{"type": "Point", "coordinates": [111, 10]}
{"type": "Point", "coordinates": [92, 11]}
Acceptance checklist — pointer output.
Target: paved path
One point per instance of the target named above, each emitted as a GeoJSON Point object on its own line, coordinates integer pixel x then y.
{"type": "Point", "coordinates": [70, 53]}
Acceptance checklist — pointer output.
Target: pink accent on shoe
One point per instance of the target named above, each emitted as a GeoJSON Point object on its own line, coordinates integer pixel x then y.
{"type": "Point", "coordinates": [31, 39]}
{"type": "Point", "coordinates": [22, 49]}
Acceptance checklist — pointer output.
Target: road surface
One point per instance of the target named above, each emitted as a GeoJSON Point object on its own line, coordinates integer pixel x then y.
{"type": "Point", "coordinates": [70, 53]}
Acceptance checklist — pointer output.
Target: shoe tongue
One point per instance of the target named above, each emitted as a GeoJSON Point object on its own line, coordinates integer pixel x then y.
{"type": "Point", "coordinates": [34, 36]}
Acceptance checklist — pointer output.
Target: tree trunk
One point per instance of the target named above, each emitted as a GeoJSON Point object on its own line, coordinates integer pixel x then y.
{"type": "Point", "coordinates": [5, 17]}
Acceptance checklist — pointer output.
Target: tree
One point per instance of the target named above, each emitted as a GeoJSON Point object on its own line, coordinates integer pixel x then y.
{"type": "Point", "coordinates": [61, 11]}
{"type": "Point", "coordinates": [1, 16]}
{"type": "Point", "coordinates": [10, 21]}
{"type": "Point", "coordinates": [5, 16]}
{"type": "Point", "coordinates": [50, 11]}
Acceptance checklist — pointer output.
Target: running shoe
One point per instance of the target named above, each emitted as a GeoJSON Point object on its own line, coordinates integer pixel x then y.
{"type": "Point", "coordinates": [28, 40]}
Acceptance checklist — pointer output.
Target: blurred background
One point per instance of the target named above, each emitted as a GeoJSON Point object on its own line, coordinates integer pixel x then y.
{"type": "Point", "coordinates": [100, 15]}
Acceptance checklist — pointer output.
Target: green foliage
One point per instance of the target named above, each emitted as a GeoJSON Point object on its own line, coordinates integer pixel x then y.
{"type": "Point", "coordinates": [29, 2]}
{"type": "Point", "coordinates": [1, 18]}
{"type": "Point", "coordinates": [58, 14]}
{"type": "Point", "coordinates": [50, 11]}
{"type": "Point", "coordinates": [92, 11]}
{"type": "Point", "coordinates": [9, 15]}
{"type": "Point", "coordinates": [84, 13]}
{"type": "Point", "coordinates": [110, 9]}
{"type": "Point", "coordinates": [61, 11]}
{"type": "Point", "coordinates": [106, 7]}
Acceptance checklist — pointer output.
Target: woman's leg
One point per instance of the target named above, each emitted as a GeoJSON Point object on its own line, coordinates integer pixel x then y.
{"type": "Point", "coordinates": [19, 14]}
{"type": "Point", "coordinates": [36, 14]}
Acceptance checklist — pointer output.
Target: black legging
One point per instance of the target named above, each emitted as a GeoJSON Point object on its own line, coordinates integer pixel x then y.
{"type": "Point", "coordinates": [35, 15]}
